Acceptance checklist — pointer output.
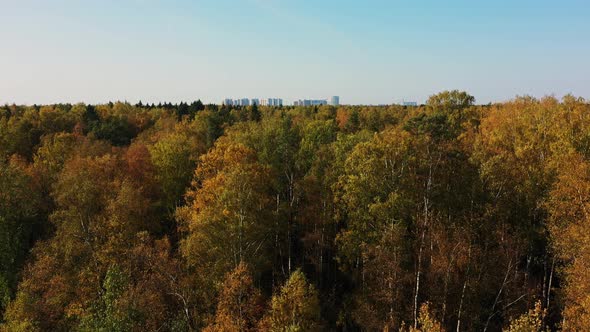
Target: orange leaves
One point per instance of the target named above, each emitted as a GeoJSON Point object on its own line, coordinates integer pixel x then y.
{"type": "Point", "coordinates": [342, 117]}
{"type": "Point", "coordinates": [139, 164]}
{"type": "Point", "coordinates": [240, 303]}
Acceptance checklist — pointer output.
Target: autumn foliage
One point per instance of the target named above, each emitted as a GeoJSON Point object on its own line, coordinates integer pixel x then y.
{"type": "Point", "coordinates": [449, 216]}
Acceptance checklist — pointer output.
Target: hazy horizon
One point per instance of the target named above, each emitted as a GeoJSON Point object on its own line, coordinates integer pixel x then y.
{"type": "Point", "coordinates": [377, 52]}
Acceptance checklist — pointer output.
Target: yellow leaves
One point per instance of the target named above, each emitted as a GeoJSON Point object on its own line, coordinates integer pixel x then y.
{"type": "Point", "coordinates": [295, 308]}
{"type": "Point", "coordinates": [75, 310]}
{"type": "Point", "coordinates": [529, 322]}
{"type": "Point", "coordinates": [577, 316]}
{"type": "Point", "coordinates": [569, 208]}
{"type": "Point", "coordinates": [527, 132]}
{"type": "Point", "coordinates": [225, 155]}
{"type": "Point", "coordinates": [19, 314]}
{"type": "Point", "coordinates": [520, 147]}
{"type": "Point", "coordinates": [228, 211]}
{"type": "Point", "coordinates": [426, 321]}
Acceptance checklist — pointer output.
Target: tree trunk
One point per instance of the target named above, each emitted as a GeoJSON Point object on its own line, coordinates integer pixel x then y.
{"type": "Point", "coordinates": [550, 282]}
{"type": "Point", "coordinates": [493, 313]}
{"type": "Point", "coordinates": [463, 290]}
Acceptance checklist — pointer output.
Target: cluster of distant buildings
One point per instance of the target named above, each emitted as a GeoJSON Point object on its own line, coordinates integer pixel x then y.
{"type": "Point", "coordinates": [334, 101]}
{"type": "Point", "coordinates": [253, 101]}
{"type": "Point", "coordinates": [409, 103]}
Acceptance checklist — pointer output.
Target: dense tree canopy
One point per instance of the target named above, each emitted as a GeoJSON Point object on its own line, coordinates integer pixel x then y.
{"type": "Point", "coordinates": [449, 216]}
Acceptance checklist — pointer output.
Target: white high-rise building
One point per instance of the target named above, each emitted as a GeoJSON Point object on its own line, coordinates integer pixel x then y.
{"type": "Point", "coordinates": [272, 102]}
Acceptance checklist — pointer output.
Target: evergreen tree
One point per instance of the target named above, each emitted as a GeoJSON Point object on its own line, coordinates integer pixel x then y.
{"type": "Point", "coordinates": [254, 113]}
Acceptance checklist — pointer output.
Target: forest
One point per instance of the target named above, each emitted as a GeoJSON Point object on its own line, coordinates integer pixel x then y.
{"type": "Point", "coordinates": [449, 216]}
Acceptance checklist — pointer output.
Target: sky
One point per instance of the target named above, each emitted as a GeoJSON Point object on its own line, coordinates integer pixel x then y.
{"type": "Point", "coordinates": [365, 51]}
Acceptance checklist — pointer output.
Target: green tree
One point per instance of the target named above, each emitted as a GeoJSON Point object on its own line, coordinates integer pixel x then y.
{"type": "Point", "coordinates": [296, 307]}
{"type": "Point", "coordinates": [174, 163]}
{"type": "Point", "coordinates": [116, 130]}
{"type": "Point", "coordinates": [254, 113]}
{"type": "Point", "coordinates": [107, 315]}
{"type": "Point", "coordinates": [451, 100]}
{"type": "Point", "coordinates": [19, 210]}
{"type": "Point", "coordinates": [20, 134]}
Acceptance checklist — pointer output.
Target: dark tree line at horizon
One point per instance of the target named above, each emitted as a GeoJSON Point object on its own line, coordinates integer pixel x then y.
{"type": "Point", "coordinates": [449, 216]}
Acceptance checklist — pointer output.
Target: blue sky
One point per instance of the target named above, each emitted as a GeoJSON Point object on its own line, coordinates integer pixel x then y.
{"type": "Point", "coordinates": [368, 52]}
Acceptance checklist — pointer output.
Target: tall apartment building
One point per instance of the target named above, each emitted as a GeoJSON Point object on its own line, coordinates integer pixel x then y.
{"type": "Point", "coordinates": [237, 102]}
{"type": "Point", "coordinates": [272, 102]}
{"type": "Point", "coordinates": [335, 101]}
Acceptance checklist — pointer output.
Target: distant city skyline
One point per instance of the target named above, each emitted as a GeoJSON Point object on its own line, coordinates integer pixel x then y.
{"type": "Point", "coordinates": [333, 100]}
{"type": "Point", "coordinates": [372, 52]}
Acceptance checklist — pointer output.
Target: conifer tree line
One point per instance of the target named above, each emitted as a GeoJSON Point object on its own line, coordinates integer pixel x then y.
{"type": "Point", "coordinates": [449, 216]}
